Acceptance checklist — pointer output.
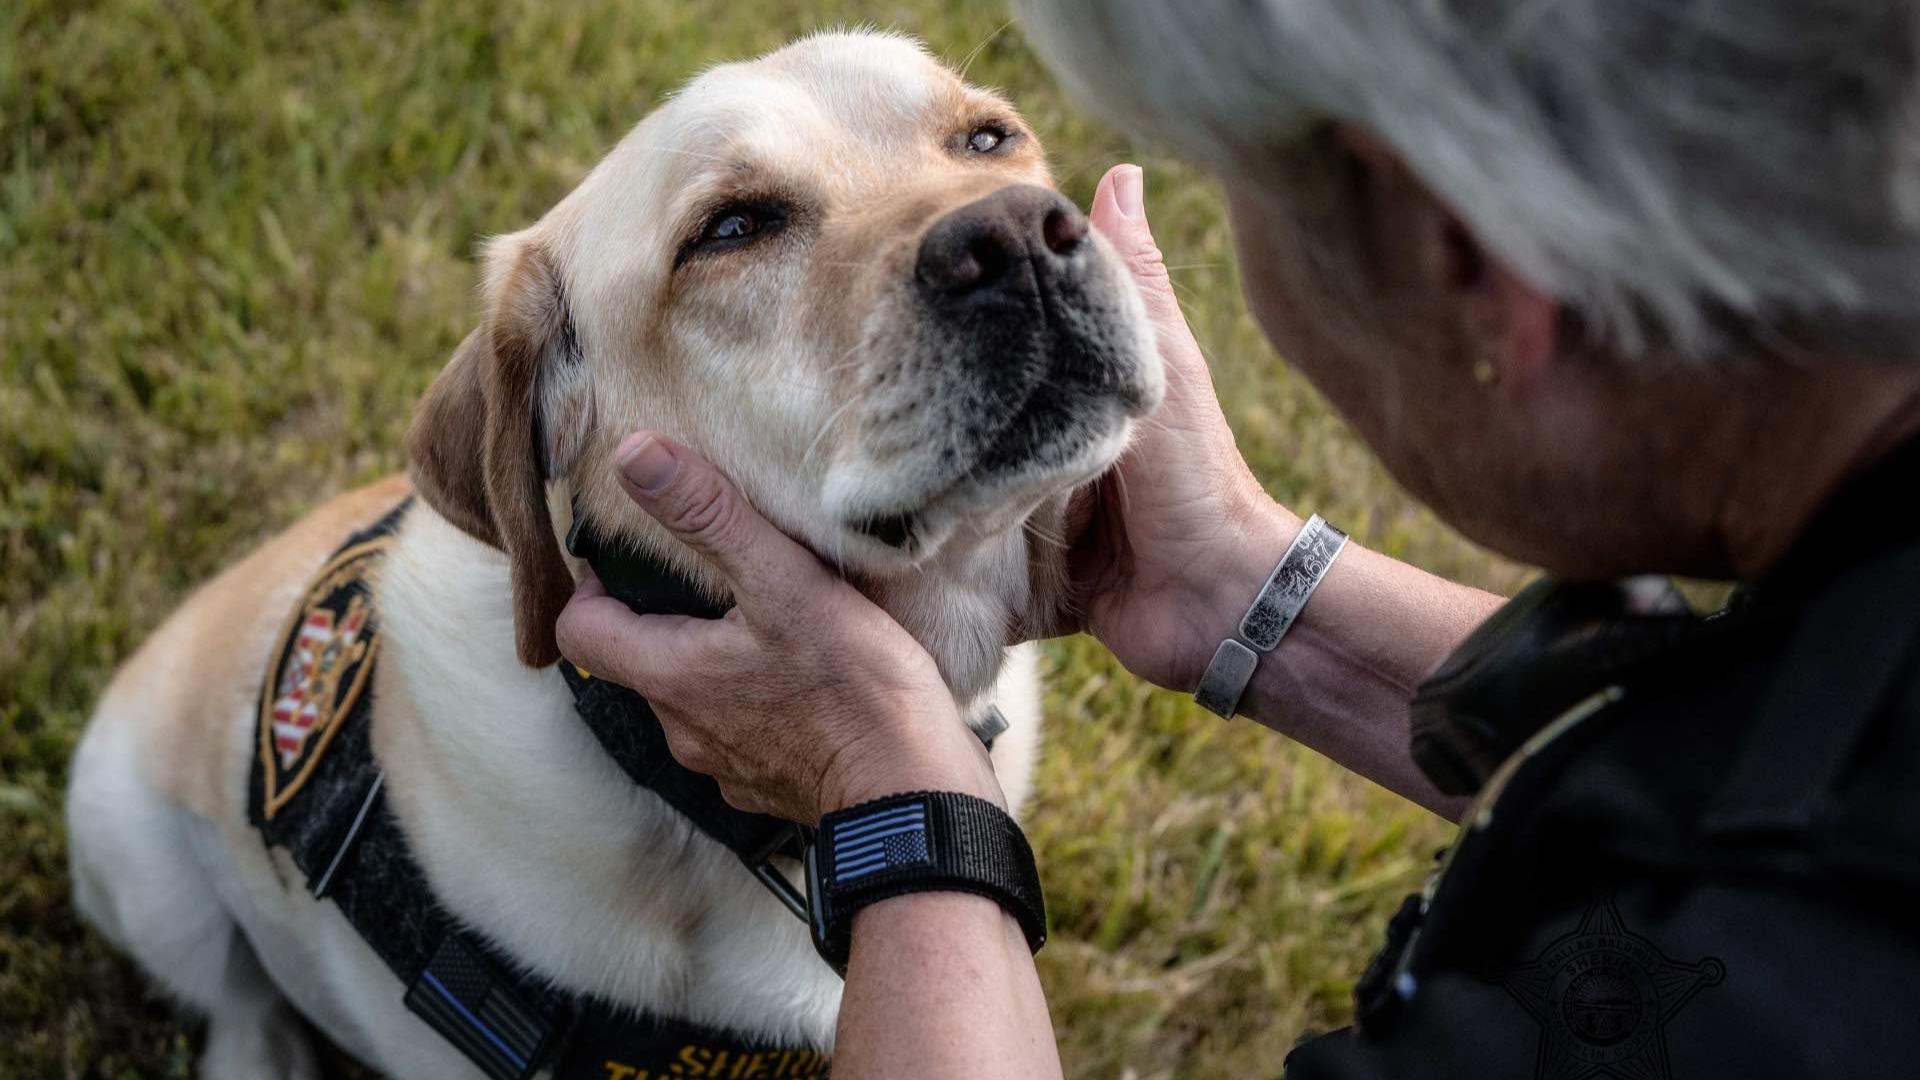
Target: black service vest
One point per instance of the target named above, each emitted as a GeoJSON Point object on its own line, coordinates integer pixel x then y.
{"type": "Point", "coordinates": [317, 792]}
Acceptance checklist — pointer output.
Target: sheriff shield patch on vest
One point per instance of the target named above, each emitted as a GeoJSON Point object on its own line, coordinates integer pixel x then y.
{"type": "Point", "coordinates": [323, 666]}
{"type": "Point", "coordinates": [1603, 995]}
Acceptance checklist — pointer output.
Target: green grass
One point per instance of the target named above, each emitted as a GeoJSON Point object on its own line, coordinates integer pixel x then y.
{"type": "Point", "coordinates": [236, 243]}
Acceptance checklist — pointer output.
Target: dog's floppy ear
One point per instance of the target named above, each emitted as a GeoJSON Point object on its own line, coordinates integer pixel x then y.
{"type": "Point", "coordinates": [477, 450]}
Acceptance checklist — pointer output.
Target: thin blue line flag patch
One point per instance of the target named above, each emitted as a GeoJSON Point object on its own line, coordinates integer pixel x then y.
{"type": "Point", "coordinates": [891, 839]}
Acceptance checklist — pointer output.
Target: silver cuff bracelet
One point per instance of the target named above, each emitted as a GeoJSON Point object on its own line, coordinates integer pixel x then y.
{"type": "Point", "coordinates": [1273, 613]}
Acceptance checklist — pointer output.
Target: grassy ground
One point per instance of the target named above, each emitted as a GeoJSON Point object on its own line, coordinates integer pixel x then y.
{"type": "Point", "coordinates": [235, 244]}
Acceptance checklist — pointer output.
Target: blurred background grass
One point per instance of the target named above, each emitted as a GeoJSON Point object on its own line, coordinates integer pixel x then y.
{"type": "Point", "coordinates": [236, 242]}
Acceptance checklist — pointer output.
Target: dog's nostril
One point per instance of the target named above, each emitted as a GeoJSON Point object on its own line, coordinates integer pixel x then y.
{"type": "Point", "coordinates": [963, 260]}
{"type": "Point", "coordinates": [976, 251]}
{"type": "Point", "coordinates": [987, 258]}
{"type": "Point", "coordinates": [1064, 229]}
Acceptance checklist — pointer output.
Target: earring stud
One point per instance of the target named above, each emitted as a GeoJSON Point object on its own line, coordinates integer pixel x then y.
{"type": "Point", "coordinates": [1485, 371]}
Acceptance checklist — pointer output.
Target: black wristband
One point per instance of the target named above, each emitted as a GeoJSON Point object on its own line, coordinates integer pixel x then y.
{"type": "Point", "coordinates": [927, 841]}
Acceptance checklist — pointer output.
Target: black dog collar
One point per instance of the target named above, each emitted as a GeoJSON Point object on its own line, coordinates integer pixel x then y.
{"type": "Point", "coordinates": [627, 728]}
{"type": "Point", "coordinates": [645, 584]}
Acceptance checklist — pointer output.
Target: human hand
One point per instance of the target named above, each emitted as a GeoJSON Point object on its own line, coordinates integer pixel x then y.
{"type": "Point", "coordinates": [806, 698]}
{"type": "Point", "coordinates": [1179, 535]}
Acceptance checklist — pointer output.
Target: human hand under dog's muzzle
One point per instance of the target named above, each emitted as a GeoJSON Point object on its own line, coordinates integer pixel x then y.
{"type": "Point", "coordinates": [806, 697]}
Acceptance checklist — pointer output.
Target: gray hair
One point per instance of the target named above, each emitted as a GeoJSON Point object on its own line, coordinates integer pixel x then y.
{"type": "Point", "coordinates": [1674, 170]}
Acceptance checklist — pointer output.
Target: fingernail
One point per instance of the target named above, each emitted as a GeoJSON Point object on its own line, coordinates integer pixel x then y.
{"type": "Point", "coordinates": [649, 466]}
{"type": "Point", "coordinates": [1129, 191]}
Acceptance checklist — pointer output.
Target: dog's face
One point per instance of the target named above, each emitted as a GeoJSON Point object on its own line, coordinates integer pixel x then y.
{"type": "Point", "coordinates": [841, 274]}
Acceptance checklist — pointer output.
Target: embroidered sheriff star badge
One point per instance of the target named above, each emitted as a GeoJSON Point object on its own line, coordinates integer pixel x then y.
{"type": "Point", "coordinates": [325, 660]}
{"type": "Point", "coordinates": [1602, 996]}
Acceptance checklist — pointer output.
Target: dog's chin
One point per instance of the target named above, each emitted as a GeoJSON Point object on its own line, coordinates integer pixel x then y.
{"type": "Point", "coordinates": [909, 528]}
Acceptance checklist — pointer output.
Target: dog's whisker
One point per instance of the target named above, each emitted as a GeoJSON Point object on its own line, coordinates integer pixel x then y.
{"type": "Point", "coordinates": [1120, 490]}
{"type": "Point", "coordinates": [967, 64]}
{"type": "Point", "coordinates": [1104, 160]}
{"type": "Point", "coordinates": [1154, 423]}
{"type": "Point", "coordinates": [827, 427]}
{"type": "Point", "coordinates": [848, 359]}
{"type": "Point", "coordinates": [1052, 540]}
{"type": "Point", "coordinates": [683, 152]}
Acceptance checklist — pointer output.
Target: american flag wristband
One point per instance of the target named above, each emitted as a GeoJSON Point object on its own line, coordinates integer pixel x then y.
{"type": "Point", "coordinates": [927, 841]}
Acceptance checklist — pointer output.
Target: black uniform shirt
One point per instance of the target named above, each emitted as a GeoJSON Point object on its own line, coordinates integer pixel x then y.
{"type": "Point", "coordinates": [1714, 874]}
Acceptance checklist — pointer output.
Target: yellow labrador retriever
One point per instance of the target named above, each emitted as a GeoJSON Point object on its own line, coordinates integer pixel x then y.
{"type": "Point", "coordinates": [844, 276]}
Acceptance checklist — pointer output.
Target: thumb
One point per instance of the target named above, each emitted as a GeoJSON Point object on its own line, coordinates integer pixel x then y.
{"type": "Point", "coordinates": [646, 653]}
{"type": "Point", "coordinates": [1120, 213]}
{"type": "Point", "coordinates": [704, 511]}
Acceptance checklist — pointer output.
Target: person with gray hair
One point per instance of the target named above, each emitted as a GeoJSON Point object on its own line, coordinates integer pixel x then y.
{"type": "Point", "coordinates": [1619, 289]}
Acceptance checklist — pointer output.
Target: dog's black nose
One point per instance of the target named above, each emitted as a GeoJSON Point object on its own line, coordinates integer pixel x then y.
{"type": "Point", "coordinates": [978, 249]}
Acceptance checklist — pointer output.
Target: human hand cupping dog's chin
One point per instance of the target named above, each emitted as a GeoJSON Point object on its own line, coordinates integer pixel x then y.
{"type": "Point", "coordinates": [1168, 546]}
{"type": "Point", "coordinates": [807, 697]}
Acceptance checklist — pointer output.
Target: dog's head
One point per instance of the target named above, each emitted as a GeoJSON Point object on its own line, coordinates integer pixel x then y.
{"type": "Point", "coordinates": [838, 272]}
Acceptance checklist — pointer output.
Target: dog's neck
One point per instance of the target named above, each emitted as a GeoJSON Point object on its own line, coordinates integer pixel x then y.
{"type": "Point", "coordinates": [962, 605]}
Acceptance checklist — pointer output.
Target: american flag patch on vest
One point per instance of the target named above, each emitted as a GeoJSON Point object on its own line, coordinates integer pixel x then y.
{"type": "Point", "coordinates": [894, 838]}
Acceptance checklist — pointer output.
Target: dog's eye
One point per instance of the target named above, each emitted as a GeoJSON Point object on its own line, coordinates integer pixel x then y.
{"type": "Point", "coordinates": [987, 138]}
{"type": "Point", "coordinates": [734, 226]}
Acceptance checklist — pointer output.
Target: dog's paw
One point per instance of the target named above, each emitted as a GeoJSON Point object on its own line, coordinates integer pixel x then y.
{"type": "Point", "coordinates": [272, 1045]}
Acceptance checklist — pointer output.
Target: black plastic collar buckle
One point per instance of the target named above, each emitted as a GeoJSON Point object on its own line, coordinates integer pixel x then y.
{"type": "Point", "coordinates": [792, 842]}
